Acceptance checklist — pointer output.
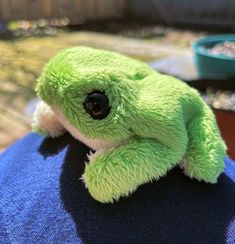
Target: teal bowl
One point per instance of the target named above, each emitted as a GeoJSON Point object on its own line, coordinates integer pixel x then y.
{"type": "Point", "coordinates": [213, 65]}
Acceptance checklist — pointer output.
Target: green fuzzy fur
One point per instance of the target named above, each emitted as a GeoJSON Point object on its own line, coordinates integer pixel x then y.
{"type": "Point", "coordinates": [158, 120]}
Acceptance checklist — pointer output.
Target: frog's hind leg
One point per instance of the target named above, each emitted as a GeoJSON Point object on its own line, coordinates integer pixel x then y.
{"type": "Point", "coordinates": [206, 150]}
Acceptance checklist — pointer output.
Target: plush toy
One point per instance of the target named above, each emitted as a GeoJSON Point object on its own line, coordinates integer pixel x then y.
{"type": "Point", "coordinates": [139, 122]}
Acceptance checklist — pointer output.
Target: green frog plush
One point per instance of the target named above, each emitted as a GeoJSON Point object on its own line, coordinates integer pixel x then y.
{"type": "Point", "coordinates": [140, 123]}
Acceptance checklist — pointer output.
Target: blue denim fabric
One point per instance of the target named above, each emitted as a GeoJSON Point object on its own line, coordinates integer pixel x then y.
{"type": "Point", "coordinates": [43, 200]}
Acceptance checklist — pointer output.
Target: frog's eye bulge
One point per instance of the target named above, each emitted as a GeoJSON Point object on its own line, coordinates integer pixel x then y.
{"type": "Point", "coordinates": [140, 123]}
{"type": "Point", "coordinates": [96, 105]}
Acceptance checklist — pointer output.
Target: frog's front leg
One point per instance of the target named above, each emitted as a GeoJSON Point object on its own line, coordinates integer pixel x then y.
{"type": "Point", "coordinates": [119, 171]}
{"type": "Point", "coordinates": [45, 121]}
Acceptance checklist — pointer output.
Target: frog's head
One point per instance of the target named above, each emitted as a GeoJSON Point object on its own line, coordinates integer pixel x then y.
{"type": "Point", "coordinates": [93, 92]}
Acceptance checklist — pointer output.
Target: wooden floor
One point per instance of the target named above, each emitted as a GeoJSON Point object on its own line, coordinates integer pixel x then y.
{"type": "Point", "coordinates": [21, 62]}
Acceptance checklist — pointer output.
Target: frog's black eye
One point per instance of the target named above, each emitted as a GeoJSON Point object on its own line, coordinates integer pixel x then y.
{"type": "Point", "coordinates": [97, 105]}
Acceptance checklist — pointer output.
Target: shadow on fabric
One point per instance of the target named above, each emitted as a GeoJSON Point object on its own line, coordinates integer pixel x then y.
{"type": "Point", "coordinates": [175, 209]}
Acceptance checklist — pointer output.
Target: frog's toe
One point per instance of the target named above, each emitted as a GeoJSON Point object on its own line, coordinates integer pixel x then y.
{"type": "Point", "coordinates": [106, 182]}
{"type": "Point", "coordinates": [100, 187]}
{"type": "Point", "coordinates": [203, 169]}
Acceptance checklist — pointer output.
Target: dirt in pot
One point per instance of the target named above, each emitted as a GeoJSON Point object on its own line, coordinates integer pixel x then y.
{"type": "Point", "coordinates": [226, 48]}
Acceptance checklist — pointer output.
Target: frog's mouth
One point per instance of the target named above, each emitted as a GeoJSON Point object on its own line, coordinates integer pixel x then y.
{"type": "Point", "coordinates": [93, 143]}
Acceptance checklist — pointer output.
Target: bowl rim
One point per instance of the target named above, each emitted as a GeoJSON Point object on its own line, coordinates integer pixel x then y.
{"type": "Point", "coordinates": [198, 44]}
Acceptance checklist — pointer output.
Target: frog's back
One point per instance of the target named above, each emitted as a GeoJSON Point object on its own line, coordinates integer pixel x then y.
{"type": "Point", "coordinates": [169, 98]}
{"type": "Point", "coordinates": [168, 88]}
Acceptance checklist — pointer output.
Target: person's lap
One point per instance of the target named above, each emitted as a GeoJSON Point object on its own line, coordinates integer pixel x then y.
{"type": "Point", "coordinates": [43, 199]}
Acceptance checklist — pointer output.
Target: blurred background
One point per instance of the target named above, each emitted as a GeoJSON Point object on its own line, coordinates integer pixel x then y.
{"type": "Point", "coordinates": [158, 32]}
